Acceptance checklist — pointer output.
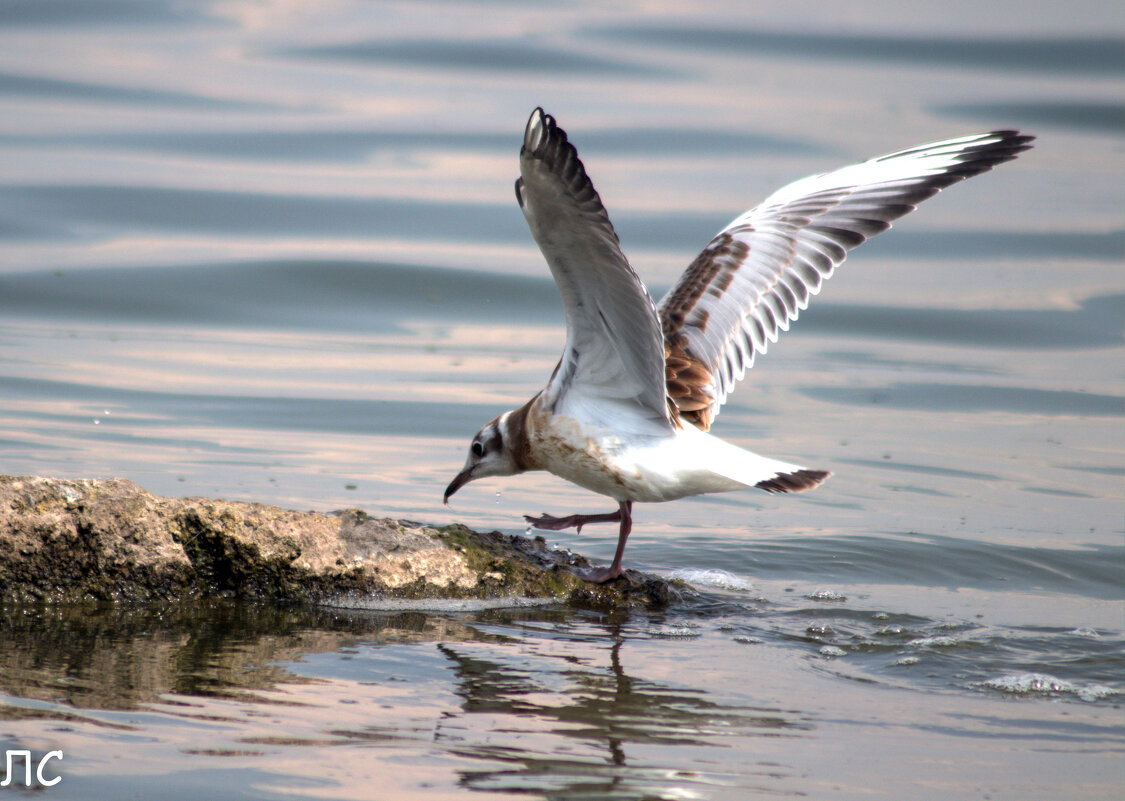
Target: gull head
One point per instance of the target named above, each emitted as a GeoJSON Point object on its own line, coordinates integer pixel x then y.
{"type": "Point", "coordinates": [488, 456]}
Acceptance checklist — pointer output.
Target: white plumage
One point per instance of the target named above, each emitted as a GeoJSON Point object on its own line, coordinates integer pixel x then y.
{"type": "Point", "coordinates": [627, 411]}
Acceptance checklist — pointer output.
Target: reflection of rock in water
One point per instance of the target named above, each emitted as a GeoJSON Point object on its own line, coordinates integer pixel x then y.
{"type": "Point", "coordinates": [107, 539]}
{"type": "Point", "coordinates": [113, 657]}
{"type": "Point", "coordinates": [599, 714]}
{"type": "Point", "coordinates": [558, 715]}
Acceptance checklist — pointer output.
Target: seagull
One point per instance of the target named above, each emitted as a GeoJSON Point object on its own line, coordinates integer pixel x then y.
{"type": "Point", "coordinates": [627, 411]}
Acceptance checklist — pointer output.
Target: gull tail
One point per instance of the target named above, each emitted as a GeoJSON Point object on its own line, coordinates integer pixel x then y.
{"type": "Point", "coordinates": [747, 468]}
{"type": "Point", "coordinates": [797, 480]}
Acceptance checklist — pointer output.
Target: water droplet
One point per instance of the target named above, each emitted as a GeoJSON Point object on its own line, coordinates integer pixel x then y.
{"type": "Point", "coordinates": [97, 422]}
{"type": "Point", "coordinates": [497, 497]}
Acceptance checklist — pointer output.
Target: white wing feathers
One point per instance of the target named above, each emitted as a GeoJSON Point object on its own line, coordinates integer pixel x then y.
{"type": "Point", "coordinates": [759, 272]}
{"type": "Point", "coordinates": [747, 285]}
{"type": "Point", "coordinates": [614, 347]}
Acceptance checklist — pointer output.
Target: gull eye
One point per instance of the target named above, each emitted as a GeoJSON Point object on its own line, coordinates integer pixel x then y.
{"type": "Point", "coordinates": [477, 450]}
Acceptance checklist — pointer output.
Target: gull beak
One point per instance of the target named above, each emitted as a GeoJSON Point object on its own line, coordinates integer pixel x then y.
{"type": "Point", "coordinates": [463, 478]}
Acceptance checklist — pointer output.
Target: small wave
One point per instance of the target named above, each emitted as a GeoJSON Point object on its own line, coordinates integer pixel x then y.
{"type": "Point", "coordinates": [935, 642]}
{"type": "Point", "coordinates": [827, 595]}
{"type": "Point", "coordinates": [1086, 631]}
{"type": "Point", "coordinates": [712, 579]}
{"type": "Point", "coordinates": [890, 631]}
{"type": "Point", "coordinates": [673, 632]}
{"type": "Point", "coordinates": [1045, 684]}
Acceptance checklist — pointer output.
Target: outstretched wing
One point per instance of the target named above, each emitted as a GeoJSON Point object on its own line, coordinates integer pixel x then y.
{"type": "Point", "coordinates": [614, 346]}
{"type": "Point", "coordinates": [759, 272]}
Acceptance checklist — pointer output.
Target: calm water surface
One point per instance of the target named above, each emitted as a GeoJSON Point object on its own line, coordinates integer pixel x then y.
{"type": "Point", "coordinates": [270, 251]}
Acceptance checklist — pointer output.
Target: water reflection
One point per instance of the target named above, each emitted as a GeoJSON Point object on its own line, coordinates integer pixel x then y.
{"type": "Point", "coordinates": [602, 734]}
{"type": "Point", "coordinates": [552, 702]}
{"type": "Point", "coordinates": [541, 700]}
{"type": "Point", "coordinates": [105, 657]}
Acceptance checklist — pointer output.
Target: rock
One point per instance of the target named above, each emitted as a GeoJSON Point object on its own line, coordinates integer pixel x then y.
{"type": "Point", "coordinates": [108, 539]}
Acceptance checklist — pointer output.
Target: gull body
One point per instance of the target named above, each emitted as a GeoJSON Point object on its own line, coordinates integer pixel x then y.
{"type": "Point", "coordinates": [628, 409]}
{"type": "Point", "coordinates": [648, 467]}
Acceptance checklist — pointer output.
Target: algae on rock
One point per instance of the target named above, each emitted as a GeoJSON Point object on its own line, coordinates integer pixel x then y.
{"type": "Point", "coordinates": [108, 539]}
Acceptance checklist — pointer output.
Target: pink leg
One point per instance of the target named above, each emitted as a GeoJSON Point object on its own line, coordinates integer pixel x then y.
{"type": "Point", "coordinates": [624, 513]}
{"type": "Point", "coordinates": [550, 523]}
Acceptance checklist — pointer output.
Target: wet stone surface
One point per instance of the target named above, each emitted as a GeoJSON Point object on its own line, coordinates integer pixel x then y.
{"type": "Point", "coordinates": [108, 539]}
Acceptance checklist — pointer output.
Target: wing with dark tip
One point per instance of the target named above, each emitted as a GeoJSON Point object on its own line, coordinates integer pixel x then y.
{"type": "Point", "coordinates": [614, 346]}
{"type": "Point", "coordinates": [759, 272]}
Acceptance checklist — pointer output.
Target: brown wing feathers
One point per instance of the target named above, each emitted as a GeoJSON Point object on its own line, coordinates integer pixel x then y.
{"type": "Point", "coordinates": [691, 385]}
{"type": "Point", "coordinates": [757, 274]}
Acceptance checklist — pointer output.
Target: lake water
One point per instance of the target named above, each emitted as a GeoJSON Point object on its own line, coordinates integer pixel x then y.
{"type": "Point", "coordinates": [270, 250]}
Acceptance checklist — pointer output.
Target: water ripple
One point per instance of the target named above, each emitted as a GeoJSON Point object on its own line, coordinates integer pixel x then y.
{"type": "Point", "coordinates": [43, 87]}
{"type": "Point", "coordinates": [485, 54]}
{"type": "Point", "coordinates": [1086, 116]}
{"type": "Point", "coordinates": [1086, 54]}
{"type": "Point", "coordinates": [313, 294]}
{"type": "Point", "coordinates": [975, 398]}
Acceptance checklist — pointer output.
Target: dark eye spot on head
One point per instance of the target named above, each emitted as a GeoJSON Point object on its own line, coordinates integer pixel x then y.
{"type": "Point", "coordinates": [477, 450]}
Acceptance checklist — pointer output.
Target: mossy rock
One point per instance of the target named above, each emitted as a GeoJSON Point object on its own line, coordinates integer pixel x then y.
{"type": "Point", "coordinates": [108, 539]}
